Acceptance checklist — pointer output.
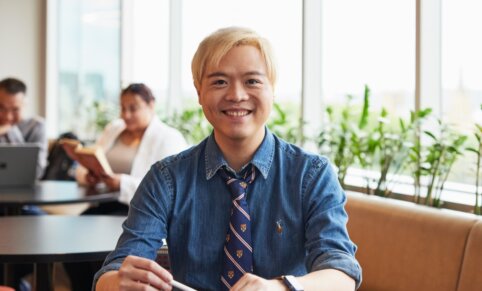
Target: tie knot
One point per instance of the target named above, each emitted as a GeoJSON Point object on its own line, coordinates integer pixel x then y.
{"type": "Point", "coordinates": [237, 186]}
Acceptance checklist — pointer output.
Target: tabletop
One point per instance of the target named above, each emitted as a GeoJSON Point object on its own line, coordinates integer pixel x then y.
{"type": "Point", "coordinates": [52, 193]}
{"type": "Point", "coordinates": [52, 238]}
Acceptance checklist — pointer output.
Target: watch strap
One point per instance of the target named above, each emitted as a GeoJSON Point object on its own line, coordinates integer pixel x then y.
{"type": "Point", "coordinates": [292, 283]}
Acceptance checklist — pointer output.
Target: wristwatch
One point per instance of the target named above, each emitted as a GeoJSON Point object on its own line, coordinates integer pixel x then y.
{"type": "Point", "coordinates": [292, 283]}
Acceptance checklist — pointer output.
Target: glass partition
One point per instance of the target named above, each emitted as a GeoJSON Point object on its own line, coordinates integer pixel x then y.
{"type": "Point", "coordinates": [88, 62]}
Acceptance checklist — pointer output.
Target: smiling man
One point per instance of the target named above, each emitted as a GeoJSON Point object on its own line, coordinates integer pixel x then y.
{"type": "Point", "coordinates": [14, 128]}
{"type": "Point", "coordinates": [243, 210]}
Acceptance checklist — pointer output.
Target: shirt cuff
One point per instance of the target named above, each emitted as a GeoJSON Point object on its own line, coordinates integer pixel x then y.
{"type": "Point", "coordinates": [113, 266]}
{"type": "Point", "coordinates": [340, 261]}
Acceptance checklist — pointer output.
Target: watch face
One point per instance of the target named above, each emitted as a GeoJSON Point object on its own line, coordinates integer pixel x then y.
{"type": "Point", "coordinates": [292, 283]}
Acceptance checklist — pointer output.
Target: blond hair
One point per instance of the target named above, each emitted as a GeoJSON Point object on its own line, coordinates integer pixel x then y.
{"type": "Point", "coordinates": [215, 46]}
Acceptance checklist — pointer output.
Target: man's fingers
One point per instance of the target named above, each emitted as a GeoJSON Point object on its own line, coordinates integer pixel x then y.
{"type": "Point", "coordinates": [133, 285]}
{"type": "Point", "coordinates": [143, 264]}
{"type": "Point", "coordinates": [141, 277]}
{"type": "Point", "coordinates": [152, 266]}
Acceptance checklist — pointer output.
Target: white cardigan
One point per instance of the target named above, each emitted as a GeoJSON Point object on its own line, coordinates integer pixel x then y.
{"type": "Point", "coordinates": [159, 141]}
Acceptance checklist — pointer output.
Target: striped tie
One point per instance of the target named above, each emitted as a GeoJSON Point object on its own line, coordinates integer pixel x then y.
{"type": "Point", "coordinates": [238, 253]}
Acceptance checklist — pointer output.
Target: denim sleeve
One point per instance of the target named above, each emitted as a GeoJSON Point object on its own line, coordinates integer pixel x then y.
{"type": "Point", "coordinates": [327, 240]}
{"type": "Point", "coordinates": [146, 223]}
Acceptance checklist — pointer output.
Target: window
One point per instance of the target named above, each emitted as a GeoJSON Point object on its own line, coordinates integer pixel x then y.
{"type": "Point", "coordinates": [462, 62]}
{"type": "Point", "coordinates": [278, 21]}
{"type": "Point", "coordinates": [145, 45]}
{"type": "Point", "coordinates": [88, 61]}
{"type": "Point", "coordinates": [369, 42]}
{"type": "Point", "coordinates": [461, 71]}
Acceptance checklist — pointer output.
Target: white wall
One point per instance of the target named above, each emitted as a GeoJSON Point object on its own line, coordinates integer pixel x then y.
{"type": "Point", "coordinates": [22, 48]}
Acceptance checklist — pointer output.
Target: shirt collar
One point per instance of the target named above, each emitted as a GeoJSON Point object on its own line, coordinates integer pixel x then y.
{"type": "Point", "coordinates": [262, 159]}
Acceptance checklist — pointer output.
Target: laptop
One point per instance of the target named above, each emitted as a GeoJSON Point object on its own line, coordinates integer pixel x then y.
{"type": "Point", "coordinates": [18, 165]}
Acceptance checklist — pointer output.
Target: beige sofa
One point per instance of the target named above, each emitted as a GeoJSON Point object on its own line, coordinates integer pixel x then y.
{"type": "Point", "coordinates": [409, 247]}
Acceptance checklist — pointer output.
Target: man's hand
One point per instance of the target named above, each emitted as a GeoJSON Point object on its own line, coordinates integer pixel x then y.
{"type": "Point", "coordinates": [136, 273]}
{"type": "Point", "coordinates": [253, 282]}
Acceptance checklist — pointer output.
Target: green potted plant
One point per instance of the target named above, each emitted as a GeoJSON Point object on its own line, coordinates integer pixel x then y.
{"type": "Point", "coordinates": [390, 146]}
{"type": "Point", "coordinates": [93, 117]}
{"type": "Point", "coordinates": [191, 123]}
{"type": "Point", "coordinates": [438, 158]}
{"type": "Point", "coordinates": [343, 136]}
{"type": "Point", "coordinates": [285, 125]}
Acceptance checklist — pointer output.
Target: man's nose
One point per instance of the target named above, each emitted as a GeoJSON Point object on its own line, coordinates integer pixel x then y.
{"type": "Point", "coordinates": [237, 93]}
{"type": "Point", "coordinates": [10, 116]}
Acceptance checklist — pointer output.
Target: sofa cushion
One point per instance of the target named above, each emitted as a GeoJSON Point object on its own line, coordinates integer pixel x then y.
{"type": "Point", "coordinates": [471, 275]}
{"type": "Point", "coordinates": [404, 247]}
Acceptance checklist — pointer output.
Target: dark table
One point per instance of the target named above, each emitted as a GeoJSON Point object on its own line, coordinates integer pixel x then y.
{"type": "Point", "coordinates": [12, 199]}
{"type": "Point", "coordinates": [44, 240]}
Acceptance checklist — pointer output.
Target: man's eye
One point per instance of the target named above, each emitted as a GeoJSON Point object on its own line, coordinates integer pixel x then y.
{"type": "Point", "coordinates": [253, 82]}
{"type": "Point", "coordinates": [219, 82]}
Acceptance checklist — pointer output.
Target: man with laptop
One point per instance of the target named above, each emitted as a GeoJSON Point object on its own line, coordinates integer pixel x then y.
{"type": "Point", "coordinates": [23, 152]}
{"type": "Point", "coordinates": [14, 128]}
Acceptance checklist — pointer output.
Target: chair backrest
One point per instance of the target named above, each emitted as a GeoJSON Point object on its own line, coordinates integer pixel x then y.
{"type": "Point", "coordinates": [471, 274]}
{"type": "Point", "coordinates": [60, 166]}
{"type": "Point", "coordinates": [403, 246]}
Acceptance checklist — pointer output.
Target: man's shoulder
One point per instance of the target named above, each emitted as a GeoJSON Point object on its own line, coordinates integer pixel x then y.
{"type": "Point", "coordinates": [33, 129]}
{"type": "Point", "coordinates": [292, 152]}
{"type": "Point", "coordinates": [35, 121]}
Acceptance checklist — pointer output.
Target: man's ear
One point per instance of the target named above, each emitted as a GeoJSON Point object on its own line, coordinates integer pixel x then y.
{"type": "Point", "coordinates": [198, 91]}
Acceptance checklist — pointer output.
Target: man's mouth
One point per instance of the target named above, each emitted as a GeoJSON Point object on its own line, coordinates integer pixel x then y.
{"type": "Point", "coordinates": [236, 113]}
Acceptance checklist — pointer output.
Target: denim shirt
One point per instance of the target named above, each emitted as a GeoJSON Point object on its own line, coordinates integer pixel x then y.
{"type": "Point", "coordinates": [296, 205]}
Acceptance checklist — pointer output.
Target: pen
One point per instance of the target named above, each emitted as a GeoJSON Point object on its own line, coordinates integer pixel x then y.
{"type": "Point", "coordinates": [181, 286]}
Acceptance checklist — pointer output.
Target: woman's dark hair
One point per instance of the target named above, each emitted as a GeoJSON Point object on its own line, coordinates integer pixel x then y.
{"type": "Point", "coordinates": [140, 89]}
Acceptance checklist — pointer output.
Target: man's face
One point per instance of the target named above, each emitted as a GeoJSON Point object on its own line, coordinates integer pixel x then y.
{"type": "Point", "coordinates": [237, 96]}
{"type": "Point", "coordinates": [10, 107]}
